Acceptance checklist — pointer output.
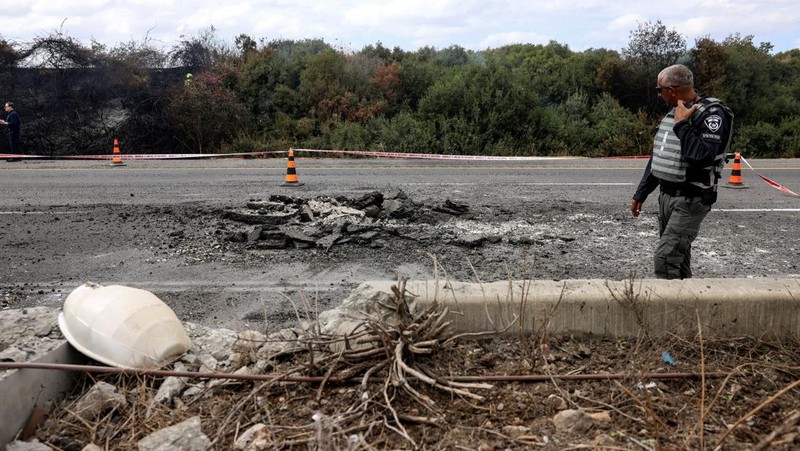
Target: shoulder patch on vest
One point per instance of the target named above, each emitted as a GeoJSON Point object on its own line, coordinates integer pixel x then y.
{"type": "Point", "coordinates": [713, 122]}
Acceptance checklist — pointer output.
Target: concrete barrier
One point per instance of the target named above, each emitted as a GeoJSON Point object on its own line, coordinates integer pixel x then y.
{"type": "Point", "coordinates": [768, 308]}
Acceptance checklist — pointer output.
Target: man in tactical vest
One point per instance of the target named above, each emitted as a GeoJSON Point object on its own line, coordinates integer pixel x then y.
{"type": "Point", "coordinates": [687, 160]}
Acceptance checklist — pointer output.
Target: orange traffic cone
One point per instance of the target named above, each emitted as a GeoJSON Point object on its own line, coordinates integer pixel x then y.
{"type": "Point", "coordinates": [735, 180]}
{"type": "Point", "coordinates": [117, 159]}
{"type": "Point", "coordinates": [291, 172]}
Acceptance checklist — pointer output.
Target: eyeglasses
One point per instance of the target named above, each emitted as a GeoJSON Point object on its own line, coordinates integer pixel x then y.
{"type": "Point", "coordinates": [660, 88]}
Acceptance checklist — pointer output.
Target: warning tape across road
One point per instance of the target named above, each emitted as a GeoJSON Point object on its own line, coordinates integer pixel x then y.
{"type": "Point", "coordinates": [171, 156]}
{"type": "Point", "coordinates": [775, 185]}
{"type": "Point", "coordinates": [431, 156]}
{"type": "Point", "coordinates": [401, 155]}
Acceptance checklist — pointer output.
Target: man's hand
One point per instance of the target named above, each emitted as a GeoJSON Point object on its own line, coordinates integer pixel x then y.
{"type": "Point", "coordinates": [636, 207]}
{"type": "Point", "coordinates": [682, 113]}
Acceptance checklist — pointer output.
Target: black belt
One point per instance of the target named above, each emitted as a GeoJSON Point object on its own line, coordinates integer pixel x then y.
{"type": "Point", "coordinates": [690, 198]}
{"type": "Point", "coordinates": [678, 192]}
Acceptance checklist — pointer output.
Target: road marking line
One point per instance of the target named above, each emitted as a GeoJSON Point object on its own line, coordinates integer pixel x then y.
{"type": "Point", "coordinates": [756, 209]}
{"type": "Point", "coordinates": [579, 183]}
{"type": "Point", "coordinates": [526, 183]}
{"type": "Point", "coordinates": [80, 212]}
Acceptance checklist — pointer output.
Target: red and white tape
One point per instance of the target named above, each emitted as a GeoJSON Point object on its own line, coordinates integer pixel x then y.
{"type": "Point", "coordinates": [775, 185]}
{"type": "Point", "coordinates": [426, 156]}
{"type": "Point", "coordinates": [171, 156]}
{"type": "Point", "coordinates": [430, 156]}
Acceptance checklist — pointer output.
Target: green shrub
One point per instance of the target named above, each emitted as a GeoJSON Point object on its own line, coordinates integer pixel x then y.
{"type": "Point", "coordinates": [616, 131]}
{"type": "Point", "coordinates": [757, 140]}
{"type": "Point", "coordinates": [242, 143]}
{"type": "Point", "coordinates": [789, 140]}
{"type": "Point", "coordinates": [404, 133]}
{"type": "Point", "coordinates": [349, 136]}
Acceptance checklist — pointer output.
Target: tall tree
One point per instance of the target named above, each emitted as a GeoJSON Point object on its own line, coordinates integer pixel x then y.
{"type": "Point", "coordinates": [709, 63]}
{"type": "Point", "coordinates": [245, 45]}
{"type": "Point", "coordinates": [652, 47]}
{"type": "Point", "coordinates": [201, 51]}
{"type": "Point", "coordinates": [9, 55]}
{"type": "Point", "coordinates": [206, 113]}
{"type": "Point", "coordinates": [322, 78]}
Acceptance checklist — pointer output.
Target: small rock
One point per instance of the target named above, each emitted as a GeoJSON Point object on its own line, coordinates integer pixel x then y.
{"type": "Point", "coordinates": [43, 330]}
{"type": "Point", "coordinates": [185, 436]}
{"type": "Point", "coordinates": [101, 398]}
{"type": "Point", "coordinates": [372, 211]}
{"type": "Point", "coordinates": [255, 438]}
{"type": "Point", "coordinates": [573, 421]}
{"type": "Point", "coordinates": [172, 386]}
{"type": "Point", "coordinates": [372, 199]}
{"type": "Point", "coordinates": [306, 213]}
{"type": "Point", "coordinates": [556, 402]}
{"type": "Point", "coordinates": [33, 445]}
{"type": "Point", "coordinates": [391, 207]}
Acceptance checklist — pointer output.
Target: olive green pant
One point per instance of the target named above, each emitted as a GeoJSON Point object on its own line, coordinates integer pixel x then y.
{"type": "Point", "coordinates": [679, 222]}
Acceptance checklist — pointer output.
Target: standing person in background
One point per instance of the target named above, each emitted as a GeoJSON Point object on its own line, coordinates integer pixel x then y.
{"type": "Point", "coordinates": [686, 163]}
{"type": "Point", "coordinates": [13, 122]}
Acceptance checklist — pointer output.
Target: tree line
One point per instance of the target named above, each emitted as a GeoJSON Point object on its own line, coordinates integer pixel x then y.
{"type": "Point", "coordinates": [206, 95]}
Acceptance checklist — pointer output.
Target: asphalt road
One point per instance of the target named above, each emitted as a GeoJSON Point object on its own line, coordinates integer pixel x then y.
{"type": "Point", "coordinates": [42, 184]}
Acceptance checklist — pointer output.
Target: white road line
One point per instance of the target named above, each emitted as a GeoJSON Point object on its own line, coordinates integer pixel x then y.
{"type": "Point", "coordinates": [579, 183]}
{"type": "Point", "coordinates": [44, 212]}
{"type": "Point", "coordinates": [756, 209]}
{"type": "Point", "coordinates": [526, 183]}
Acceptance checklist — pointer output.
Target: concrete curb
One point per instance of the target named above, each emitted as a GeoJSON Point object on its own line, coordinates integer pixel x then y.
{"type": "Point", "coordinates": [767, 308]}
{"type": "Point", "coordinates": [26, 390]}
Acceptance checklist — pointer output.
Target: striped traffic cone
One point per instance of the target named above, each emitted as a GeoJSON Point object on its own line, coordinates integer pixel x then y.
{"type": "Point", "coordinates": [117, 159]}
{"type": "Point", "coordinates": [735, 180]}
{"type": "Point", "coordinates": [291, 171]}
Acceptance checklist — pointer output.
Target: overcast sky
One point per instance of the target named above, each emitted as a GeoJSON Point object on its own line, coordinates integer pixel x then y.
{"type": "Point", "coordinates": [409, 24]}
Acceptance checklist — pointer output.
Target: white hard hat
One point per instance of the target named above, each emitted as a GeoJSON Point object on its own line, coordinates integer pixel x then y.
{"type": "Point", "coordinates": [122, 326]}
